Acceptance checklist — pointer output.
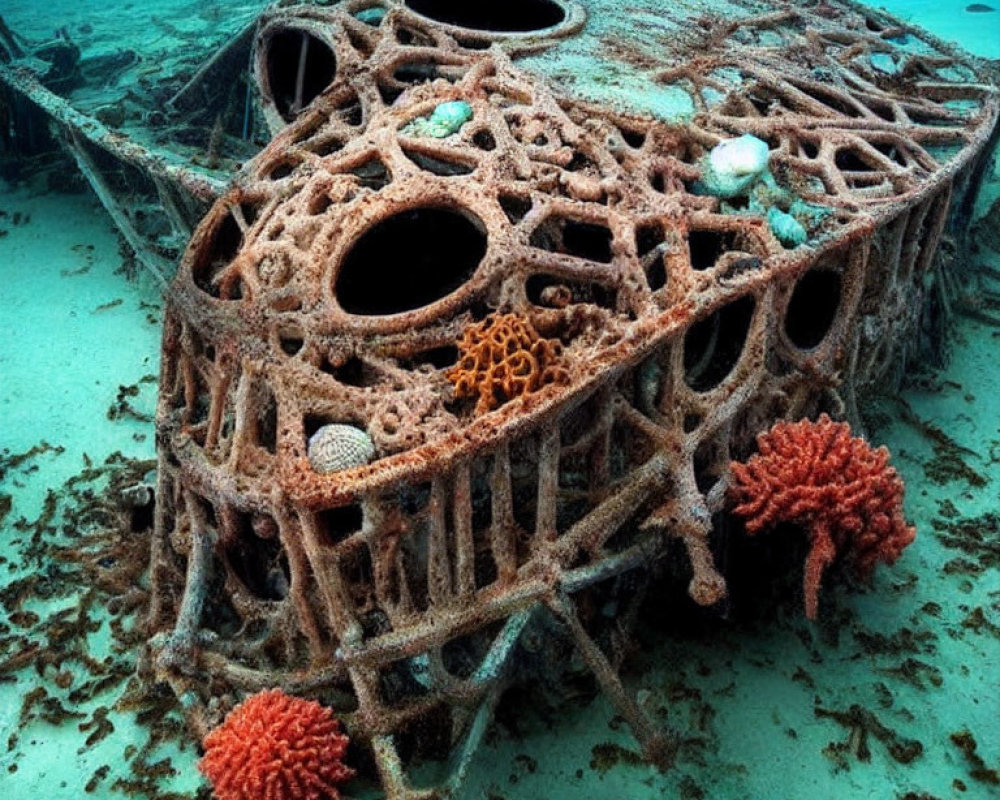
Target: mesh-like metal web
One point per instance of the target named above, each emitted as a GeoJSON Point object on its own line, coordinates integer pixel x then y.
{"type": "Point", "coordinates": [334, 281]}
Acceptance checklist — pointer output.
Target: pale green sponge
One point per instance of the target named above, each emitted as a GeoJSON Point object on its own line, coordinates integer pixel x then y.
{"type": "Point", "coordinates": [443, 121]}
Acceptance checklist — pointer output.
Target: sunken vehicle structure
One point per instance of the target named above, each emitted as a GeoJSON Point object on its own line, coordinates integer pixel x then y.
{"type": "Point", "coordinates": [463, 354]}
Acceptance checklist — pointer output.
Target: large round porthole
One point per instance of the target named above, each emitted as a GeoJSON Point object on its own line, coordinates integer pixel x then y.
{"type": "Point", "coordinates": [299, 67]}
{"type": "Point", "coordinates": [508, 16]}
{"type": "Point", "coordinates": [409, 260]}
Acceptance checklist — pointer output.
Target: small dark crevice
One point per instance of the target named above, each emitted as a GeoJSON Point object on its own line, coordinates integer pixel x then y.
{"type": "Point", "coordinates": [225, 243]}
{"type": "Point", "coordinates": [883, 110]}
{"type": "Point", "coordinates": [484, 140]}
{"type": "Point", "coordinates": [282, 169]}
{"type": "Point", "coordinates": [336, 524]}
{"type": "Point", "coordinates": [260, 564]}
{"type": "Point", "coordinates": [475, 44]}
{"type": "Point", "coordinates": [267, 422]}
{"type": "Point", "coordinates": [634, 139]}
{"type": "Point", "coordinates": [416, 73]}
{"type": "Point", "coordinates": [713, 346]}
{"type": "Point", "coordinates": [830, 100]}
{"type": "Point", "coordinates": [705, 247]}
{"type": "Point", "coordinates": [291, 344]}
{"type": "Point", "coordinates": [809, 149]}
{"type": "Point", "coordinates": [351, 372]}
{"type": "Point", "coordinates": [849, 161]}
{"type": "Point", "coordinates": [352, 114]}
{"type": "Point", "coordinates": [691, 422]}
{"type": "Point", "coordinates": [578, 162]}
{"type": "Point", "coordinates": [813, 307]}
{"type": "Point", "coordinates": [436, 165]}
{"type": "Point", "coordinates": [514, 207]}
{"type": "Point", "coordinates": [581, 239]}
{"type": "Point", "coordinates": [326, 147]}
{"type": "Point", "coordinates": [437, 357]}
{"type": "Point", "coordinates": [389, 94]}
{"type": "Point", "coordinates": [372, 174]}
{"type": "Point", "coordinates": [579, 291]}
{"type": "Point", "coordinates": [890, 151]}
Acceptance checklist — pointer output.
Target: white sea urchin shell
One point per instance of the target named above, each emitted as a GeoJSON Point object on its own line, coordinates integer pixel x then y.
{"type": "Point", "coordinates": [336, 447]}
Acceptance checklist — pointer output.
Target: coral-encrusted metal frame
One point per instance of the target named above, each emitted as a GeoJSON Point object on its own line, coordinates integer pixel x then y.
{"type": "Point", "coordinates": [400, 591]}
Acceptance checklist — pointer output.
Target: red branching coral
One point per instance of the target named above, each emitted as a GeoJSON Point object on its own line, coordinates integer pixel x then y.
{"type": "Point", "coordinates": [503, 357]}
{"type": "Point", "coordinates": [276, 747]}
{"type": "Point", "coordinates": [846, 495]}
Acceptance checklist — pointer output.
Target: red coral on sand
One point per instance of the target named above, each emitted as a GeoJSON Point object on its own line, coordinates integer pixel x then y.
{"type": "Point", "coordinates": [846, 495]}
{"type": "Point", "coordinates": [276, 747]}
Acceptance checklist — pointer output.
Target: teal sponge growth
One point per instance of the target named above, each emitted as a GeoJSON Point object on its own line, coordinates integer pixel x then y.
{"type": "Point", "coordinates": [446, 119]}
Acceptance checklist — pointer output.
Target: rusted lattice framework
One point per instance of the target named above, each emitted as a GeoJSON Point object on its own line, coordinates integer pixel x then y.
{"type": "Point", "coordinates": [398, 591]}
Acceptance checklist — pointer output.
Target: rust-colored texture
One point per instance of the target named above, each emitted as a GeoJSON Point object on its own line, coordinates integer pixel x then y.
{"type": "Point", "coordinates": [350, 267]}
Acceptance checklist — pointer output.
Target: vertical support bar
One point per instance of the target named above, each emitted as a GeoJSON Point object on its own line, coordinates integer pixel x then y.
{"type": "Point", "coordinates": [600, 452]}
{"type": "Point", "coordinates": [439, 581]}
{"type": "Point", "coordinates": [327, 572]}
{"type": "Point", "coordinates": [245, 423]}
{"type": "Point", "coordinates": [291, 539]}
{"type": "Point", "coordinates": [548, 487]}
{"type": "Point", "coordinates": [465, 548]}
{"type": "Point", "coordinates": [300, 75]}
{"type": "Point", "coordinates": [502, 528]}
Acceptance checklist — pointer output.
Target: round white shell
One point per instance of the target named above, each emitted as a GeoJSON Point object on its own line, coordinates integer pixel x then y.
{"type": "Point", "coordinates": [336, 447]}
{"type": "Point", "coordinates": [744, 155]}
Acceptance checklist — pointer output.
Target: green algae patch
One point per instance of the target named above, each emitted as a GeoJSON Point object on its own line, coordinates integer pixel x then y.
{"type": "Point", "coordinates": [786, 229]}
{"type": "Point", "coordinates": [371, 16]}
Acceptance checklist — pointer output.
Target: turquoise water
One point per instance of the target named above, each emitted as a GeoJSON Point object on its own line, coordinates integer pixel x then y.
{"type": "Point", "coordinates": [773, 707]}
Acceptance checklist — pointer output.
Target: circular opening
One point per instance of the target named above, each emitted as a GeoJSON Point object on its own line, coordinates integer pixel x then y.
{"type": "Point", "coordinates": [510, 16]}
{"type": "Point", "coordinates": [713, 346]}
{"type": "Point", "coordinates": [299, 67]}
{"type": "Point", "coordinates": [812, 308]}
{"type": "Point", "coordinates": [410, 260]}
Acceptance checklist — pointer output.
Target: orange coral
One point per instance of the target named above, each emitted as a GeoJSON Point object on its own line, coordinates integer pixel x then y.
{"type": "Point", "coordinates": [846, 495]}
{"type": "Point", "coordinates": [503, 357]}
{"type": "Point", "coordinates": [276, 747]}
